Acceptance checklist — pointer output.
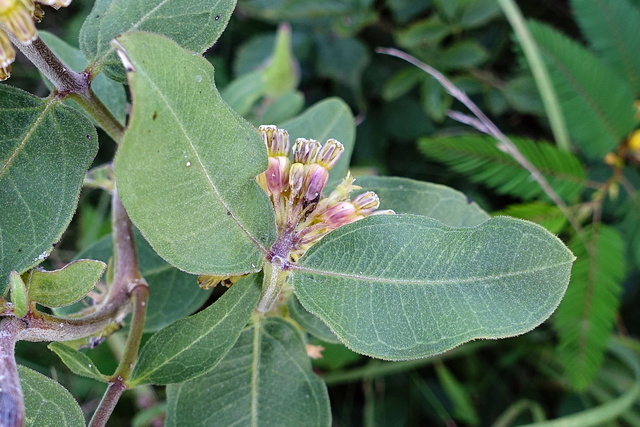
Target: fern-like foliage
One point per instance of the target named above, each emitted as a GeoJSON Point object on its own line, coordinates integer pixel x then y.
{"type": "Point", "coordinates": [478, 157]}
{"type": "Point", "coordinates": [596, 102]}
{"type": "Point", "coordinates": [612, 30]}
{"type": "Point", "coordinates": [587, 313]}
{"type": "Point", "coordinates": [547, 215]}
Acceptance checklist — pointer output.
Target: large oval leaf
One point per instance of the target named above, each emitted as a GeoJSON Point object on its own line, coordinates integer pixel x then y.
{"type": "Point", "coordinates": [405, 286]}
{"type": "Point", "coordinates": [194, 25]}
{"type": "Point", "coordinates": [436, 201]}
{"type": "Point", "coordinates": [46, 402]}
{"type": "Point", "coordinates": [46, 149]}
{"type": "Point", "coordinates": [193, 346]}
{"type": "Point", "coordinates": [265, 380]}
{"type": "Point", "coordinates": [187, 165]}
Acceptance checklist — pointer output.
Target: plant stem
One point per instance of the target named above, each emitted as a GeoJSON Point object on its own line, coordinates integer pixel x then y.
{"type": "Point", "coordinates": [11, 402]}
{"type": "Point", "coordinates": [127, 277]}
{"type": "Point", "coordinates": [69, 83]}
{"type": "Point", "coordinates": [540, 73]}
{"type": "Point", "coordinates": [482, 123]}
{"type": "Point", "coordinates": [108, 402]}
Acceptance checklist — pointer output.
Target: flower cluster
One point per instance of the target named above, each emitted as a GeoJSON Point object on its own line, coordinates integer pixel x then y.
{"type": "Point", "coordinates": [295, 187]}
{"type": "Point", "coordinates": [18, 17]}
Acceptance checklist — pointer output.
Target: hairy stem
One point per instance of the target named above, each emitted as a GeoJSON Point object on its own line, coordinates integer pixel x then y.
{"type": "Point", "coordinates": [69, 83]}
{"type": "Point", "coordinates": [108, 402]}
{"type": "Point", "coordinates": [127, 277]}
{"type": "Point", "coordinates": [11, 402]}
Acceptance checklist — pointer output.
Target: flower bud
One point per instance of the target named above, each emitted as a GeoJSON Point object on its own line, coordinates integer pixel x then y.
{"type": "Point", "coordinates": [17, 18]}
{"type": "Point", "coordinates": [340, 214]}
{"type": "Point", "coordinates": [277, 174]}
{"type": "Point", "coordinates": [316, 178]}
{"type": "Point", "coordinates": [366, 203]}
{"type": "Point", "coordinates": [56, 4]}
{"type": "Point", "coordinates": [296, 178]}
{"type": "Point", "coordinates": [7, 52]}
{"type": "Point", "coordinates": [306, 151]}
{"type": "Point", "coordinates": [330, 153]}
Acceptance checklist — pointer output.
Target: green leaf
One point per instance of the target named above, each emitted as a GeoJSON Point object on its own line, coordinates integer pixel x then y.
{"type": "Point", "coordinates": [611, 28]}
{"type": "Point", "coordinates": [330, 118]}
{"type": "Point", "coordinates": [342, 59]}
{"type": "Point", "coordinates": [111, 93]}
{"type": "Point", "coordinates": [587, 314]}
{"type": "Point", "coordinates": [436, 201]}
{"type": "Point", "coordinates": [401, 83]}
{"type": "Point", "coordinates": [193, 25]}
{"type": "Point", "coordinates": [193, 346]}
{"type": "Point", "coordinates": [521, 93]}
{"type": "Point", "coordinates": [79, 363]}
{"type": "Point", "coordinates": [265, 380]}
{"type": "Point", "coordinates": [187, 165]}
{"type": "Point", "coordinates": [598, 115]}
{"type": "Point", "coordinates": [479, 158]}
{"type": "Point", "coordinates": [245, 91]}
{"type": "Point", "coordinates": [173, 294]}
{"type": "Point", "coordinates": [46, 149]}
{"type": "Point", "coordinates": [64, 286]}
{"type": "Point", "coordinates": [46, 402]}
{"type": "Point", "coordinates": [435, 100]}
{"type": "Point", "coordinates": [18, 295]}
{"type": "Point", "coordinates": [424, 34]}
{"type": "Point", "coordinates": [309, 322]}
{"type": "Point", "coordinates": [406, 286]}
{"type": "Point", "coordinates": [463, 409]}
{"type": "Point", "coordinates": [282, 108]}
{"type": "Point", "coordinates": [462, 54]}
{"type": "Point", "coordinates": [547, 215]}
{"type": "Point", "coordinates": [476, 13]}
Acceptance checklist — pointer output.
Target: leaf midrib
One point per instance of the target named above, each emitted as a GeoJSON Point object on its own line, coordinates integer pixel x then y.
{"type": "Point", "coordinates": [201, 165]}
{"type": "Point", "coordinates": [425, 282]}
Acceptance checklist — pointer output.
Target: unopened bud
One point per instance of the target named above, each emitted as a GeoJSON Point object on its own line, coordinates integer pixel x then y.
{"type": "Point", "coordinates": [340, 214]}
{"type": "Point", "coordinates": [296, 178]}
{"type": "Point", "coordinates": [366, 203]}
{"type": "Point", "coordinates": [330, 153]}
{"type": "Point", "coordinates": [277, 174]}
{"type": "Point", "coordinates": [306, 151]}
{"type": "Point", "coordinates": [7, 52]}
{"type": "Point", "coordinates": [18, 19]}
{"type": "Point", "coordinates": [56, 4]}
{"type": "Point", "coordinates": [315, 180]}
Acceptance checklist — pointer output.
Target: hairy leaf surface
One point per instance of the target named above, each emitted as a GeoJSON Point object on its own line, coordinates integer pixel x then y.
{"type": "Point", "coordinates": [66, 285]}
{"type": "Point", "coordinates": [78, 362]}
{"type": "Point", "coordinates": [193, 25]}
{"type": "Point", "coordinates": [436, 201]}
{"type": "Point", "coordinates": [187, 165]}
{"type": "Point", "coordinates": [46, 402]}
{"type": "Point", "coordinates": [265, 380]}
{"type": "Point", "coordinates": [193, 346]}
{"type": "Point", "coordinates": [46, 149]}
{"type": "Point", "coordinates": [407, 286]}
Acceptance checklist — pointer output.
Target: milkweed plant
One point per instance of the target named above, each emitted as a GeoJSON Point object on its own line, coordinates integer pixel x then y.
{"type": "Point", "coordinates": [391, 268]}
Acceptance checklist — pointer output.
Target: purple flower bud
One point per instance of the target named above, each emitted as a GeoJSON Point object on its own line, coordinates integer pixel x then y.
{"type": "Point", "coordinates": [330, 153]}
{"type": "Point", "coordinates": [340, 214]}
{"type": "Point", "coordinates": [305, 151]}
{"type": "Point", "coordinates": [277, 174]}
{"type": "Point", "coordinates": [276, 140]}
{"type": "Point", "coordinates": [315, 180]}
{"type": "Point", "coordinates": [296, 178]}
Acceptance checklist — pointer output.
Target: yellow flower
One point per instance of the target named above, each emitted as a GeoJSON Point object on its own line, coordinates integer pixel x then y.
{"type": "Point", "coordinates": [18, 17]}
